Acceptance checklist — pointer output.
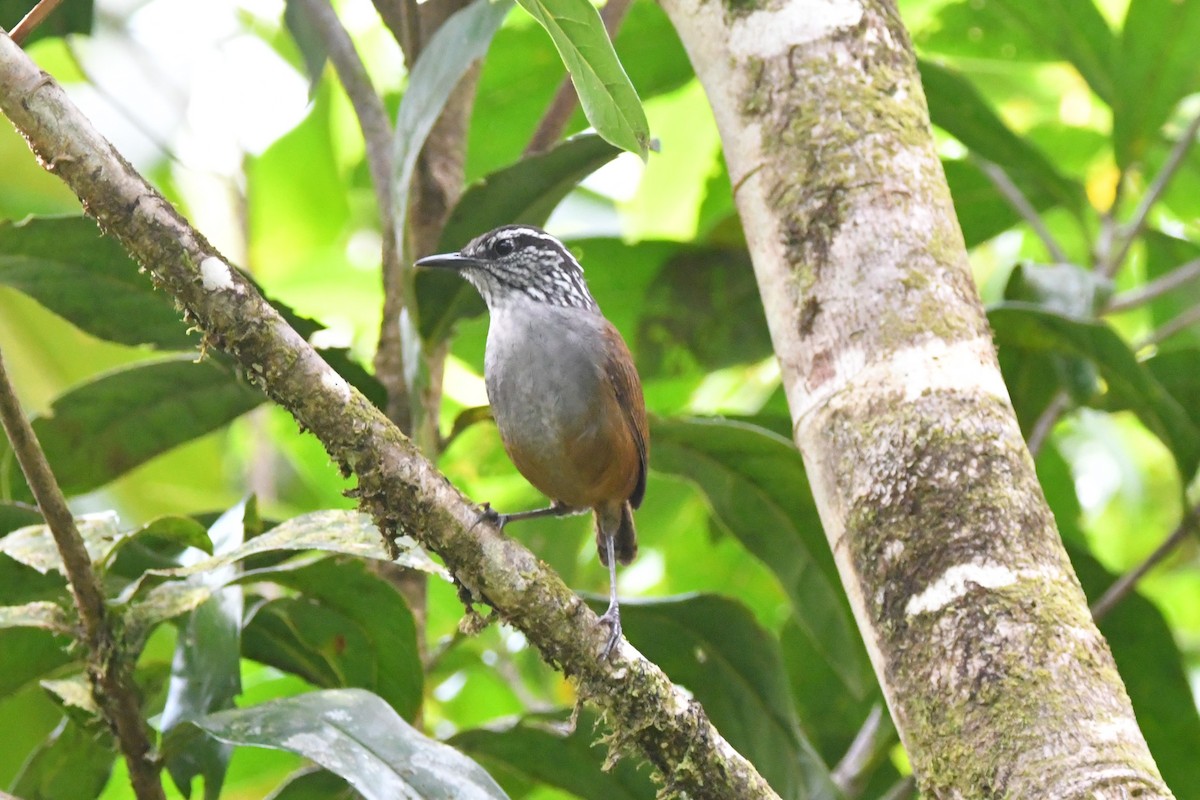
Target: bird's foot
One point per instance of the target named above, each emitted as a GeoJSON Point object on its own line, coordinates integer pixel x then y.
{"type": "Point", "coordinates": [489, 514]}
{"type": "Point", "coordinates": [611, 618]}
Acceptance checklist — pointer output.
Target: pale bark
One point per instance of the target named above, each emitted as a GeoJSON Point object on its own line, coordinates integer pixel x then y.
{"type": "Point", "coordinates": [999, 682]}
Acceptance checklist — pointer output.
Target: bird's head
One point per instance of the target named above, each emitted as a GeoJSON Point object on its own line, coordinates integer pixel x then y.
{"type": "Point", "coordinates": [519, 262]}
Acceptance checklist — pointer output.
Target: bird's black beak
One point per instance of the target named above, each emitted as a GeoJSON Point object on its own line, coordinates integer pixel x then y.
{"type": "Point", "coordinates": [446, 261]}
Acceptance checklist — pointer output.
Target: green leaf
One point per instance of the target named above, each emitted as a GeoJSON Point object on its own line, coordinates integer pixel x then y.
{"type": "Point", "coordinates": [158, 544]}
{"type": "Point", "coordinates": [349, 628]}
{"type": "Point", "coordinates": [533, 750]}
{"type": "Point", "coordinates": [38, 614]}
{"type": "Point", "coordinates": [88, 279]}
{"type": "Point", "coordinates": [74, 761]}
{"type": "Point", "coordinates": [34, 546]}
{"type": "Point", "coordinates": [524, 192]}
{"type": "Point", "coordinates": [956, 107]}
{"type": "Point", "coordinates": [314, 784]}
{"type": "Point", "coordinates": [1129, 385]}
{"type": "Point", "coordinates": [106, 427]}
{"type": "Point", "coordinates": [1153, 670]}
{"type": "Point", "coordinates": [608, 98]}
{"type": "Point", "coordinates": [1163, 255]}
{"type": "Point", "coordinates": [205, 675]}
{"type": "Point", "coordinates": [1066, 30]}
{"type": "Point", "coordinates": [713, 646]}
{"type": "Point", "coordinates": [308, 39]}
{"type": "Point", "coordinates": [72, 17]}
{"type": "Point", "coordinates": [358, 736]}
{"type": "Point", "coordinates": [27, 654]}
{"type": "Point", "coordinates": [1155, 69]}
{"type": "Point", "coordinates": [458, 43]}
{"type": "Point", "coordinates": [703, 311]}
{"type": "Point", "coordinates": [758, 490]}
{"type": "Point", "coordinates": [18, 515]}
{"type": "Point", "coordinates": [1062, 288]}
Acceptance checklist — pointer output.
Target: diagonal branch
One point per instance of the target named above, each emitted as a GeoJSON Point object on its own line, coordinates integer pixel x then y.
{"type": "Point", "coordinates": [112, 686]}
{"type": "Point", "coordinates": [1127, 582]}
{"type": "Point", "coordinates": [1016, 198]}
{"type": "Point", "coordinates": [398, 486]}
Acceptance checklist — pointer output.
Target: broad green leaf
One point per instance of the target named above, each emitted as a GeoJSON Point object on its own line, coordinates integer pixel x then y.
{"type": "Point", "coordinates": [703, 312]}
{"type": "Point", "coordinates": [532, 750]}
{"type": "Point", "coordinates": [459, 42]}
{"type": "Point", "coordinates": [1176, 371]}
{"type": "Point", "coordinates": [1055, 30]}
{"type": "Point", "coordinates": [106, 427]}
{"type": "Point", "coordinates": [74, 761]}
{"type": "Point", "coordinates": [308, 39]}
{"type": "Point", "coordinates": [314, 784]}
{"type": "Point", "coordinates": [830, 715]}
{"type": "Point", "coordinates": [713, 646]}
{"type": "Point", "coordinates": [20, 584]}
{"type": "Point", "coordinates": [1063, 288]}
{"type": "Point", "coordinates": [27, 654]}
{"type": "Point", "coordinates": [38, 614]}
{"type": "Point", "coordinates": [34, 546]}
{"type": "Point", "coordinates": [158, 544]}
{"type": "Point", "coordinates": [358, 736]}
{"type": "Point", "coordinates": [1128, 384]}
{"type": "Point", "coordinates": [347, 628]}
{"type": "Point", "coordinates": [756, 485]}
{"type": "Point", "coordinates": [17, 515]}
{"type": "Point", "coordinates": [73, 17]}
{"type": "Point", "coordinates": [524, 192]}
{"type": "Point", "coordinates": [205, 675]}
{"type": "Point", "coordinates": [982, 211]}
{"type": "Point", "coordinates": [88, 279]}
{"type": "Point", "coordinates": [1163, 255]}
{"type": "Point", "coordinates": [608, 98]}
{"type": "Point", "coordinates": [1155, 68]}
{"type": "Point", "coordinates": [1153, 670]}
{"type": "Point", "coordinates": [956, 107]}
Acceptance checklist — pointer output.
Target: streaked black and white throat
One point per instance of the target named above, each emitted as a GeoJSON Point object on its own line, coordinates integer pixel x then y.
{"type": "Point", "coordinates": [521, 261]}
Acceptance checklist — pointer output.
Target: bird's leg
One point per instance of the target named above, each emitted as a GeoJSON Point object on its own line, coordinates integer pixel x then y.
{"type": "Point", "coordinates": [555, 509]}
{"type": "Point", "coordinates": [612, 616]}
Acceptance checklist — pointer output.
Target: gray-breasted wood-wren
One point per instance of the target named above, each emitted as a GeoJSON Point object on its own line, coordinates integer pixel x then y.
{"type": "Point", "coordinates": [563, 388]}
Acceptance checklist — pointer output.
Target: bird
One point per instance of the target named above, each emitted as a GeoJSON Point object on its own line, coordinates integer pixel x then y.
{"type": "Point", "coordinates": [563, 389]}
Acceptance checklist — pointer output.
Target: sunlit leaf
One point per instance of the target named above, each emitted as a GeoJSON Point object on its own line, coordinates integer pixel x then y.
{"type": "Point", "coordinates": [1128, 384]}
{"type": "Point", "coordinates": [34, 546]}
{"type": "Point", "coordinates": [358, 736]}
{"type": "Point", "coordinates": [1156, 67]}
{"type": "Point", "coordinates": [713, 646]}
{"type": "Point", "coordinates": [524, 192]}
{"type": "Point", "coordinates": [956, 107]}
{"type": "Point", "coordinates": [608, 98]}
{"type": "Point", "coordinates": [756, 484]}
{"type": "Point", "coordinates": [38, 614]}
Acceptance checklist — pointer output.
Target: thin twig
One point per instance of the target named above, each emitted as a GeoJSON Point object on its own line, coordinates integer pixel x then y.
{"type": "Point", "coordinates": [874, 738]}
{"type": "Point", "coordinates": [1129, 234]}
{"type": "Point", "coordinates": [558, 114]}
{"type": "Point", "coordinates": [1126, 583]}
{"type": "Point", "coordinates": [903, 789]}
{"type": "Point", "coordinates": [1168, 282]}
{"type": "Point", "coordinates": [1045, 423]}
{"type": "Point", "coordinates": [111, 686]}
{"type": "Point", "coordinates": [35, 17]}
{"type": "Point", "coordinates": [1016, 198]}
{"type": "Point", "coordinates": [1185, 319]}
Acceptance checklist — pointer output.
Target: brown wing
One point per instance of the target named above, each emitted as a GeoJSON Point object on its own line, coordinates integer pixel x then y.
{"type": "Point", "coordinates": [628, 389]}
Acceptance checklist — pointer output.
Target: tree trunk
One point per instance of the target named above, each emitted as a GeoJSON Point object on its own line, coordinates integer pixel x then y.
{"type": "Point", "coordinates": [999, 682]}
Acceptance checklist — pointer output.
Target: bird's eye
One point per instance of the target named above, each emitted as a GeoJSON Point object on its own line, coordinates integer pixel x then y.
{"type": "Point", "coordinates": [503, 247]}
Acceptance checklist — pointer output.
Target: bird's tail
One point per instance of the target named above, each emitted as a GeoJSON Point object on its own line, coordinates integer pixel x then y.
{"type": "Point", "coordinates": [620, 526]}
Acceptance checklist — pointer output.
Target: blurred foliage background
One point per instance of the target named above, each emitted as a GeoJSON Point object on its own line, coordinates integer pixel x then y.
{"type": "Point", "coordinates": [1066, 132]}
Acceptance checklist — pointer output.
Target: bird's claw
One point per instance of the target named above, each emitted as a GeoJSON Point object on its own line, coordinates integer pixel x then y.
{"type": "Point", "coordinates": [489, 514]}
{"type": "Point", "coordinates": [611, 618]}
